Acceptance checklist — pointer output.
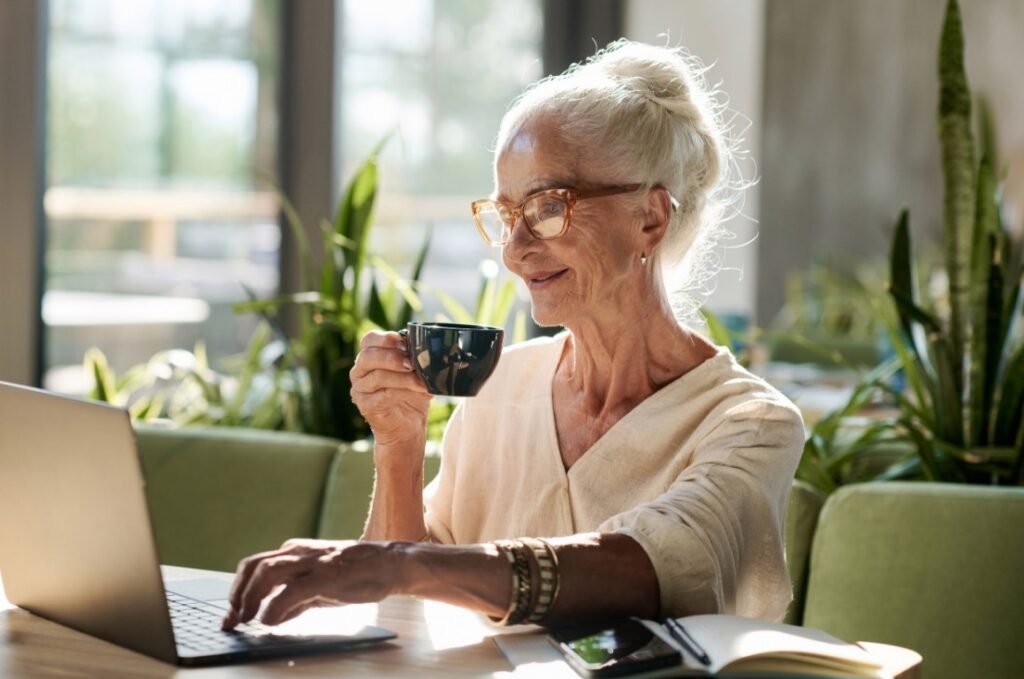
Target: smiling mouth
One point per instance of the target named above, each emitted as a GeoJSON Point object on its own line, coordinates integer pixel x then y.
{"type": "Point", "coordinates": [546, 277]}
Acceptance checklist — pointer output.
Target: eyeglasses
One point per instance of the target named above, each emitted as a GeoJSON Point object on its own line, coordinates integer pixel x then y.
{"type": "Point", "coordinates": [546, 214]}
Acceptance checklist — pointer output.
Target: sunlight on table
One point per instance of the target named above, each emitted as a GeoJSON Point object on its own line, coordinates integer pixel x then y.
{"type": "Point", "coordinates": [331, 620]}
{"type": "Point", "coordinates": [453, 627]}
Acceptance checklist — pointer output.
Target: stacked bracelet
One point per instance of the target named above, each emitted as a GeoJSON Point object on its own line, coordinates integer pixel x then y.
{"type": "Point", "coordinates": [548, 578]}
{"type": "Point", "coordinates": [519, 606]}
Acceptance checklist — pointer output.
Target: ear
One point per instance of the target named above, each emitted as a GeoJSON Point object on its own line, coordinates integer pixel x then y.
{"type": "Point", "coordinates": [657, 214]}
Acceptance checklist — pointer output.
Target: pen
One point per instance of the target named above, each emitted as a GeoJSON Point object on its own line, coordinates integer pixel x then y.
{"type": "Point", "coordinates": [688, 643]}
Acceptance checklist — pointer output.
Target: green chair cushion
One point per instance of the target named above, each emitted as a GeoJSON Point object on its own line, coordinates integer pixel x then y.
{"type": "Point", "coordinates": [938, 568]}
{"type": "Point", "coordinates": [349, 486]}
{"type": "Point", "coordinates": [804, 505]}
{"type": "Point", "coordinates": [219, 494]}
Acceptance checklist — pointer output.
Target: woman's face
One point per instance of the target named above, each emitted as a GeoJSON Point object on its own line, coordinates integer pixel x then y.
{"type": "Point", "coordinates": [580, 274]}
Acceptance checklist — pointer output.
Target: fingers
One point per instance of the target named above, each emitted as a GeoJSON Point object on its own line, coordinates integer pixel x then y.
{"type": "Point", "coordinates": [382, 340]}
{"type": "Point", "coordinates": [244, 574]}
{"type": "Point", "coordinates": [269, 574]}
{"type": "Point", "coordinates": [373, 359]}
{"type": "Point", "coordinates": [382, 380]}
{"type": "Point", "coordinates": [305, 574]}
{"type": "Point", "coordinates": [292, 600]}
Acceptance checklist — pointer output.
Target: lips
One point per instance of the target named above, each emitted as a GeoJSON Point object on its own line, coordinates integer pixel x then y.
{"type": "Point", "coordinates": [539, 278]}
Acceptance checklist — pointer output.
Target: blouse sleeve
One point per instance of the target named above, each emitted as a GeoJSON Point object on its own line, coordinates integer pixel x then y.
{"type": "Point", "coordinates": [439, 494]}
{"type": "Point", "coordinates": [716, 536]}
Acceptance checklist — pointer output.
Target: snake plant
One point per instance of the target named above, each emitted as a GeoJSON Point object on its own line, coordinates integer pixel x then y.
{"type": "Point", "coordinates": [960, 415]}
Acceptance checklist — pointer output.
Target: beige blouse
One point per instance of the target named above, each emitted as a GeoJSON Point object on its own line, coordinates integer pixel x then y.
{"type": "Point", "coordinates": [698, 474]}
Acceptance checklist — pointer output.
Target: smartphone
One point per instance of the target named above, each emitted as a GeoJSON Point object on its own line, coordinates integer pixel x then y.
{"type": "Point", "coordinates": [614, 650]}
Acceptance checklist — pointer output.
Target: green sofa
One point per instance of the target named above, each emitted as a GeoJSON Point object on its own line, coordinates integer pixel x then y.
{"type": "Point", "coordinates": [935, 567]}
{"type": "Point", "coordinates": [938, 568]}
{"type": "Point", "coordinates": [219, 494]}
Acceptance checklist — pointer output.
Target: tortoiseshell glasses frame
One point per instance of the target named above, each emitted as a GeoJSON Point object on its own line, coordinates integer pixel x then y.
{"type": "Point", "coordinates": [546, 214]}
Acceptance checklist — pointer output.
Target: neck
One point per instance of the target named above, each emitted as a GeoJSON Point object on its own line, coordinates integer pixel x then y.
{"type": "Point", "coordinates": [615, 364]}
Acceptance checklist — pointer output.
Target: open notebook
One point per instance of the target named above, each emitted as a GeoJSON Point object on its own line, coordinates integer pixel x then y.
{"type": "Point", "coordinates": [737, 644]}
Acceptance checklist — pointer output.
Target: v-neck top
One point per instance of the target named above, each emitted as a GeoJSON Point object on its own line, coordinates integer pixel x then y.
{"type": "Point", "coordinates": [698, 474]}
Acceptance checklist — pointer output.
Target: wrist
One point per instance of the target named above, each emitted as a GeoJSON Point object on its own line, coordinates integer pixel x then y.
{"type": "Point", "coordinates": [403, 561]}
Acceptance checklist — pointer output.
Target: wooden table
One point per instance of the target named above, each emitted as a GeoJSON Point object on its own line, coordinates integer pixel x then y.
{"type": "Point", "coordinates": [434, 640]}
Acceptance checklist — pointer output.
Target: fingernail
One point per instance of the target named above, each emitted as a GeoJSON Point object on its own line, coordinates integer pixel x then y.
{"type": "Point", "coordinates": [407, 364]}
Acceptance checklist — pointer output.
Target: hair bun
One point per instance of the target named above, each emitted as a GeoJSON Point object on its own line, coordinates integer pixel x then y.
{"type": "Point", "coordinates": [653, 72]}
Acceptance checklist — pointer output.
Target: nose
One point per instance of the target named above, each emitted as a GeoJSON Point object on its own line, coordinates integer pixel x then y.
{"type": "Point", "coordinates": [520, 241]}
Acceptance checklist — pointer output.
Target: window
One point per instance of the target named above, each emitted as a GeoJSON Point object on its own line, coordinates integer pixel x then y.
{"type": "Point", "coordinates": [162, 122]}
{"type": "Point", "coordinates": [440, 79]}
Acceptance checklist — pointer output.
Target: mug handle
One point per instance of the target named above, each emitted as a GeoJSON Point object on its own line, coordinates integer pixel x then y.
{"type": "Point", "coordinates": [404, 332]}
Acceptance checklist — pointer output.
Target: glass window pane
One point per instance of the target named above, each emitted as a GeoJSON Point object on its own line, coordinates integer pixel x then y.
{"type": "Point", "coordinates": [162, 122]}
{"type": "Point", "coordinates": [441, 78]}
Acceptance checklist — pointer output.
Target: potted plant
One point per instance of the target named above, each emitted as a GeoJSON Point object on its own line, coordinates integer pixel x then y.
{"type": "Point", "coordinates": [960, 416]}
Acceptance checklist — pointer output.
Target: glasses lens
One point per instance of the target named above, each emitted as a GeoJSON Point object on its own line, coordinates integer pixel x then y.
{"type": "Point", "coordinates": [489, 217]}
{"type": "Point", "coordinates": [546, 215]}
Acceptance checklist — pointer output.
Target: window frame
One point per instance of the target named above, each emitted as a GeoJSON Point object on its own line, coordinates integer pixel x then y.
{"type": "Point", "coordinates": [307, 143]}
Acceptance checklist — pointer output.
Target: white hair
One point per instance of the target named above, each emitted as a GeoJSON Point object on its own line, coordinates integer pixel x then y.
{"type": "Point", "coordinates": [646, 114]}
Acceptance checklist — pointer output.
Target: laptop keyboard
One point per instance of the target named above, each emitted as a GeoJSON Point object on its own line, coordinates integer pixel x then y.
{"type": "Point", "coordinates": [197, 627]}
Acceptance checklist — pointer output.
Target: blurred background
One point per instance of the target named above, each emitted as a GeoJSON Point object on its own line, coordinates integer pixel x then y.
{"type": "Point", "coordinates": [140, 141]}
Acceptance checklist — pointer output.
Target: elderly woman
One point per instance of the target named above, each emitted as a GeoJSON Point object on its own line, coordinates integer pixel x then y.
{"type": "Point", "coordinates": [649, 469]}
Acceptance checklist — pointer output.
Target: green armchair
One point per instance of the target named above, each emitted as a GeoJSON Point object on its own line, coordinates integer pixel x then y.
{"type": "Point", "coordinates": [935, 567]}
{"type": "Point", "coordinates": [219, 494]}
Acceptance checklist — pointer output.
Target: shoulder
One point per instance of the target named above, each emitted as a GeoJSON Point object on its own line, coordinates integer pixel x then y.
{"type": "Point", "coordinates": [736, 399]}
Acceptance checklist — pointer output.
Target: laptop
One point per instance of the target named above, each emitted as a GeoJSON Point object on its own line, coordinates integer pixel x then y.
{"type": "Point", "coordinates": [77, 545]}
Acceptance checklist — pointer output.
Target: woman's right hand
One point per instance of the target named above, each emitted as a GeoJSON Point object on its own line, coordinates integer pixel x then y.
{"type": "Point", "coordinates": [388, 393]}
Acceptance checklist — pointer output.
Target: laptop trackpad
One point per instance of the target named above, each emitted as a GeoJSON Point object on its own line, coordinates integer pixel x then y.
{"type": "Point", "coordinates": [210, 590]}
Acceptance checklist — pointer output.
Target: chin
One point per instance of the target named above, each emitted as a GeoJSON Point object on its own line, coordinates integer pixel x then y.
{"type": "Point", "coordinates": [547, 316]}
{"type": "Point", "coordinates": [544, 318]}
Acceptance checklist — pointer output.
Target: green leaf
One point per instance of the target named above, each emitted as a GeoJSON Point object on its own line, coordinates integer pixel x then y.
{"type": "Point", "coordinates": [104, 380]}
{"type": "Point", "coordinates": [352, 221]}
{"type": "Point", "coordinates": [485, 299]}
{"type": "Point", "coordinates": [456, 311]}
{"type": "Point", "coordinates": [989, 138]}
{"type": "Point", "coordinates": [920, 382]}
{"type": "Point", "coordinates": [984, 265]}
{"type": "Point", "coordinates": [333, 267]}
{"type": "Point", "coordinates": [718, 332]}
{"type": "Point", "coordinates": [519, 327]}
{"type": "Point", "coordinates": [995, 325]}
{"type": "Point", "coordinates": [810, 469]}
{"type": "Point", "coordinates": [909, 468]}
{"type": "Point", "coordinates": [400, 284]}
{"type": "Point", "coordinates": [298, 231]}
{"type": "Point", "coordinates": [375, 310]}
{"type": "Point", "coordinates": [958, 179]}
{"type": "Point", "coordinates": [263, 305]}
{"type": "Point", "coordinates": [405, 314]}
{"type": "Point", "coordinates": [903, 286]}
{"type": "Point", "coordinates": [1011, 403]}
{"type": "Point", "coordinates": [505, 298]}
{"type": "Point", "coordinates": [925, 450]}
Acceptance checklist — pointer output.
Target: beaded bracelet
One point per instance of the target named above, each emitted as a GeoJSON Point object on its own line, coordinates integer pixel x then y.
{"type": "Point", "coordinates": [519, 606]}
{"type": "Point", "coordinates": [548, 576]}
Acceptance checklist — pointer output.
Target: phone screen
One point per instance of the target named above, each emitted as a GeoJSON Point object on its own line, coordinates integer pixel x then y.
{"type": "Point", "coordinates": [624, 648]}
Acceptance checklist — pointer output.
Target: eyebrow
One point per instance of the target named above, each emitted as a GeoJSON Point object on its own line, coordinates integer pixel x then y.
{"type": "Point", "coordinates": [537, 188]}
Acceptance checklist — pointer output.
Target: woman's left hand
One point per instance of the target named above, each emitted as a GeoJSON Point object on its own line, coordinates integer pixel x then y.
{"type": "Point", "coordinates": [304, 574]}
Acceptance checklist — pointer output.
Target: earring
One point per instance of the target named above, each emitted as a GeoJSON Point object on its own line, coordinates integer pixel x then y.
{"type": "Point", "coordinates": [643, 259]}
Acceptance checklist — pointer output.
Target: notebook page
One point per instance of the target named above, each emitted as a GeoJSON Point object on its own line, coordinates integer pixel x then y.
{"type": "Point", "coordinates": [728, 638]}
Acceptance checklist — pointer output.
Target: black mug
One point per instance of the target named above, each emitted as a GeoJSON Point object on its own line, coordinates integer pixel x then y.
{"type": "Point", "coordinates": [453, 359]}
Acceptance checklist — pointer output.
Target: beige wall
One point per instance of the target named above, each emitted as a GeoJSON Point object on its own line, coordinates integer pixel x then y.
{"type": "Point", "coordinates": [728, 34]}
{"type": "Point", "coordinates": [20, 197]}
{"type": "Point", "coordinates": [849, 133]}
